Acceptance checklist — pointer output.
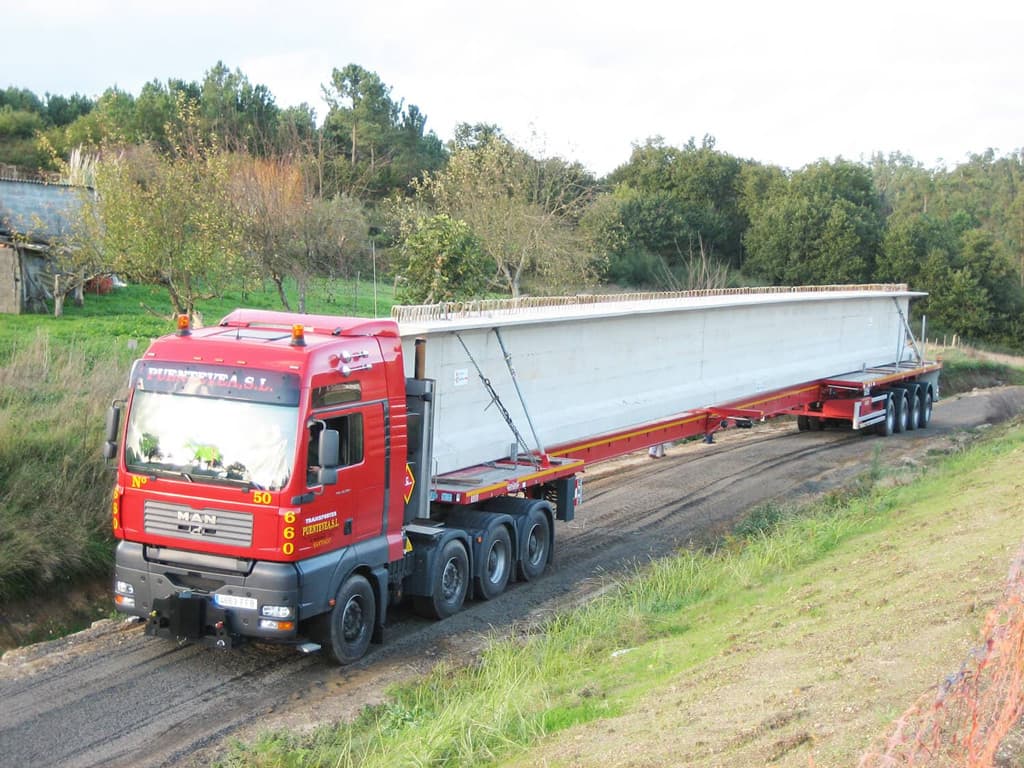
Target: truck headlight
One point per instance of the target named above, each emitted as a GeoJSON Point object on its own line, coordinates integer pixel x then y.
{"type": "Point", "coordinates": [124, 588]}
{"type": "Point", "coordinates": [276, 611]}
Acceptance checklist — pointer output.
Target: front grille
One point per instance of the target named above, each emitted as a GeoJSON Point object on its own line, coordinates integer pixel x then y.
{"type": "Point", "coordinates": [215, 525]}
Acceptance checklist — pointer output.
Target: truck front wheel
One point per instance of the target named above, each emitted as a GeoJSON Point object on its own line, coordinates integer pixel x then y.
{"type": "Point", "coordinates": [347, 629]}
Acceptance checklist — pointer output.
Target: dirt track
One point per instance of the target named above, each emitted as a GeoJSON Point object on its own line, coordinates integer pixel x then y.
{"type": "Point", "coordinates": [110, 696]}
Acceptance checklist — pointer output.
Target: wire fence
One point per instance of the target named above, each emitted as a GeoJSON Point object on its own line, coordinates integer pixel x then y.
{"type": "Point", "coordinates": [966, 721]}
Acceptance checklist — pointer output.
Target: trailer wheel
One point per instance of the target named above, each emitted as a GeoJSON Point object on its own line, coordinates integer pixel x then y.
{"type": "Point", "coordinates": [497, 562]}
{"type": "Point", "coordinates": [451, 581]}
{"type": "Point", "coordinates": [914, 400]}
{"type": "Point", "coordinates": [345, 631]}
{"type": "Point", "coordinates": [902, 410]}
{"type": "Point", "coordinates": [534, 554]}
{"type": "Point", "coordinates": [925, 415]}
{"type": "Point", "coordinates": [888, 425]}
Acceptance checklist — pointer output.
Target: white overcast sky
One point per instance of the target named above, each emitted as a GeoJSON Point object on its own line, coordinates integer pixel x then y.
{"type": "Point", "coordinates": [780, 82]}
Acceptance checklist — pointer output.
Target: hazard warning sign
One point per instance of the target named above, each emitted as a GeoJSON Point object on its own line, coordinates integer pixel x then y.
{"type": "Point", "coordinates": [410, 483]}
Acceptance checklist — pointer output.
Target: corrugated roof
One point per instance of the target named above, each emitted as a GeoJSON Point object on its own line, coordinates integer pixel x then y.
{"type": "Point", "coordinates": [38, 210]}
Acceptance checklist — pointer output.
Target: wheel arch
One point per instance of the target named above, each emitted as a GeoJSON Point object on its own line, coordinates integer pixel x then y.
{"type": "Point", "coordinates": [321, 578]}
{"type": "Point", "coordinates": [425, 548]}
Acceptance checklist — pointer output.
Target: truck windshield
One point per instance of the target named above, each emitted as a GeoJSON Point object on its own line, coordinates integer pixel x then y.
{"type": "Point", "coordinates": [209, 439]}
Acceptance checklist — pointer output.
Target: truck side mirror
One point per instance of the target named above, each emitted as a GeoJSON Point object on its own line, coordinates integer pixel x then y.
{"type": "Point", "coordinates": [113, 427]}
{"type": "Point", "coordinates": [328, 447]}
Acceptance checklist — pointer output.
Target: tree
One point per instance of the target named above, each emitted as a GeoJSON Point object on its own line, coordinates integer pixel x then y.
{"type": "Point", "coordinates": [241, 115]}
{"type": "Point", "coordinates": [908, 244]}
{"type": "Point", "coordinates": [63, 110]}
{"type": "Point", "coordinates": [904, 186]}
{"type": "Point", "coordinates": [972, 285]}
{"type": "Point", "coordinates": [823, 226]}
{"type": "Point", "coordinates": [296, 130]}
{"type": "Point", "coordinates": [376, 145]}
{"type": "Point", "coordinates": [444, 261]}
{"type": "Point", "coordinates": [288, 233]}
{"type": "Point", "coordinates": [21, 100]}
{"type": "Point", "coordinates": [475, 135]}
{"type": "Point", "coordinates": [962, 305]}
{"type": "Point", "coordinates": [270, 197]}
{"type": "Point", "coordinates": [522, 211]}
{"type": "Point", "coordinates": [698, 190]}
{"type": "Point", "coordinates": [170, 220]}
{"type": "Point", "coordinates": [333, 234]}
{"type": "Point", "coordinates": [983, 256]}
{"type": "Point", "coordinates": [636, 231]}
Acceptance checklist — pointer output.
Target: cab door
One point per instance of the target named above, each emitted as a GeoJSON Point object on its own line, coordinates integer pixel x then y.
{"type": "Point", "coordinates": [359, 497]}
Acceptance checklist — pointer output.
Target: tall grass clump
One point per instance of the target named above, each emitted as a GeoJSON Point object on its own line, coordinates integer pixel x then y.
{"type": "Point", "coordinates": [54, 486]}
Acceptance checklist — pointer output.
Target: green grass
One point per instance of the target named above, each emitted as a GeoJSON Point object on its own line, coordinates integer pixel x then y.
{"type": "Point", "coordinates": [142, 312]}
{"type": "Point", "coordinates": [602, 659]}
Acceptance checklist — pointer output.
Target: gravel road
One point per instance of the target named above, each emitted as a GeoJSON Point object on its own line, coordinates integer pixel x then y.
{"type": "Point", "coordinates": [111, 696]}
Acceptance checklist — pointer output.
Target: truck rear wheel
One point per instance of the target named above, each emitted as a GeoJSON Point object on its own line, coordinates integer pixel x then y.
{"type": "Point", "coordinates": [450, 580]}
{"type": "Point", "coordinates": [535, 550]}
{"type": "Point", "coordinates": [345, 632]}
{"type": "Point", "coordinates": [497, 563]}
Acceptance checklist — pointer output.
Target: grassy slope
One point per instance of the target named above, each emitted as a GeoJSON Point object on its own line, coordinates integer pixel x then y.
{"type": "Point", "coordinates": [965, 369]}
{"type": "Point", "coordinates": [807, 641]}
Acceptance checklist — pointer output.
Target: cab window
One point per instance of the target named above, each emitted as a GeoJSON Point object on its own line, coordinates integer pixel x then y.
{"type": "Point", "coordinates": [350, 442]}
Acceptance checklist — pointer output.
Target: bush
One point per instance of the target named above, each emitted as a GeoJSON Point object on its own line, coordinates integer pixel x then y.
{"type": "Point", "coordinates": [18, 124]}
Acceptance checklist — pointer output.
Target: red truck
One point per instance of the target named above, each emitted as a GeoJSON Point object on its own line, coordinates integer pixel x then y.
{"type": "Point", "coordinates": [288, 477]}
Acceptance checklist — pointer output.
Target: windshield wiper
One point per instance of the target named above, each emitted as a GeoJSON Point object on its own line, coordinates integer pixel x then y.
{"type": "Point", "coordinates": [198, 477]}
